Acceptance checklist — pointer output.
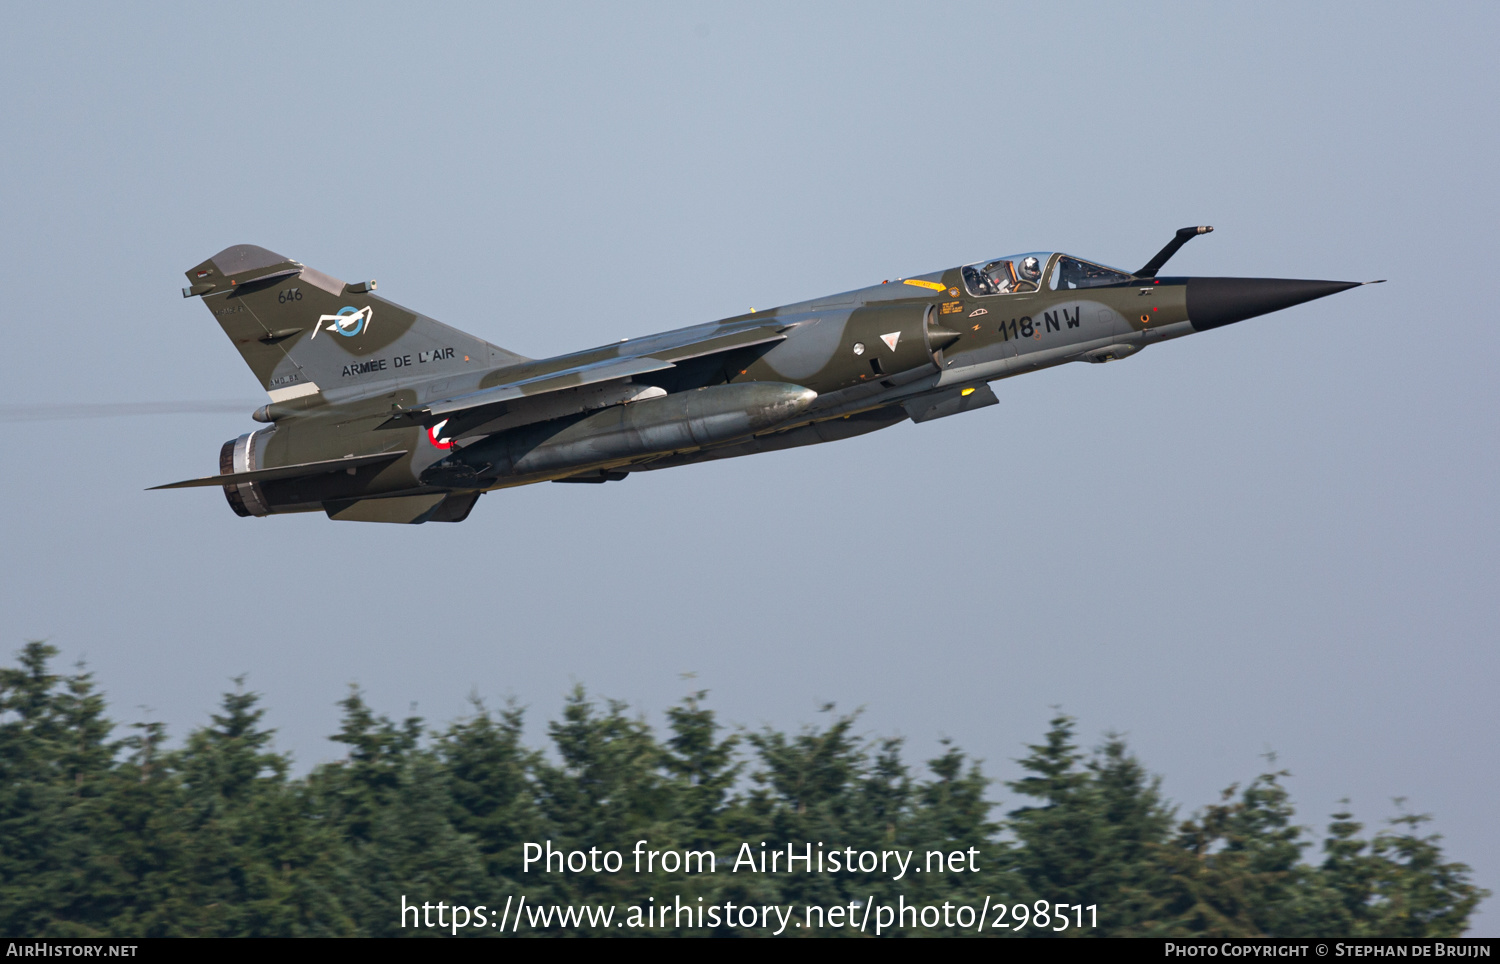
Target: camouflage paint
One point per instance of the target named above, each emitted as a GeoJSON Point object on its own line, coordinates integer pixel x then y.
{"type": "Point", "coordinates": [351, 375]}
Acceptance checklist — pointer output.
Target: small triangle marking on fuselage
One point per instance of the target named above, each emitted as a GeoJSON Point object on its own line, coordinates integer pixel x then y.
{"type": "Point", "coordinates": [891, 339]}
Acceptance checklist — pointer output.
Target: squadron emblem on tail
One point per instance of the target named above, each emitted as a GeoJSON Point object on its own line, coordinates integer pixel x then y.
{"type": "Point", "coordinates": [349, 321]}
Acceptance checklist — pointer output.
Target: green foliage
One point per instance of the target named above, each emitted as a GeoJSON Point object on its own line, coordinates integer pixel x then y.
{"type": "Point", "coordinates": [118, 837]}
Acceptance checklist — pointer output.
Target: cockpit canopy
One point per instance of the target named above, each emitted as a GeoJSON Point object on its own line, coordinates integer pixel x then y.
{"type": "Point", "coordinates": [1012, 274]}
{"type": "Point", "coordinates": [1070, 273]}
{"type": "Point", "coordinates": [1020, 273]}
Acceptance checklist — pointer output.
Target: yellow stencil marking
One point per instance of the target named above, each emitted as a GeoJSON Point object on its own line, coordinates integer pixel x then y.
{"type": "Point", "coordinates": [930, 285]}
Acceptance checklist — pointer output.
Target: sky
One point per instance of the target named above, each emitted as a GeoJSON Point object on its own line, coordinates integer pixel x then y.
{"type": "Point", "coordinates": [1274, 538]}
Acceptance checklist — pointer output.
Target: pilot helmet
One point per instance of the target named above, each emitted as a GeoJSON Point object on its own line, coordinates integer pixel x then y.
{"type": "Point", "coordinates": [1031, 268]}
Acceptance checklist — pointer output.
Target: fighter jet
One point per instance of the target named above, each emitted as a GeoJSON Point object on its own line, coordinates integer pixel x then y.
{"type": "Point", "coordinates": [380, 414]}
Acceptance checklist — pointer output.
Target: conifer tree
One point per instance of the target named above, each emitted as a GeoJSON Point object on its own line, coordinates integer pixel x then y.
{"type": "Point", "coordinates": [1416, 893]}
{"type": "Point", "coordinates": [704, 768]}
{"type": "Point", "coordinates": [1063, 837]}
{"type": "Point", "coordinates": [490, 781]}
{"type": "Point", "coordinates": [393, 803]}
{"type": "Point", "coordinates": [55, 773]}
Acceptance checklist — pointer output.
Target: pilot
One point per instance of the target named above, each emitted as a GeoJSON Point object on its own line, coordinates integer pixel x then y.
{"type": "Point", "coordinates": [1025, 278]}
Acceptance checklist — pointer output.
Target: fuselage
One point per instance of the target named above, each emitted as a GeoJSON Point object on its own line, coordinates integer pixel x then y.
{"type": "Point", "coordinates": [920, 347]}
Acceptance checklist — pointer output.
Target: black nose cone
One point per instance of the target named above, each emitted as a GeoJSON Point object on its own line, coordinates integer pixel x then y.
{"type": "Point", "coordinates": [1215, 302]}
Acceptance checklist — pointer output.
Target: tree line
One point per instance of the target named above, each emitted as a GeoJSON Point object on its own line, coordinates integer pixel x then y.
{"type": "Point", "coordinates": [106, 835]}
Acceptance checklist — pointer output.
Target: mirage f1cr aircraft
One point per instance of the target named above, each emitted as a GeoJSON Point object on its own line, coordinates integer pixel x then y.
{"type": "Point", "coordinates": [380, 414]}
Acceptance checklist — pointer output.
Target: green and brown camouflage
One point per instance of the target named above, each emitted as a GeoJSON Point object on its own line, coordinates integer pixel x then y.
{"type": "Point", "coordinates": [380, 414]}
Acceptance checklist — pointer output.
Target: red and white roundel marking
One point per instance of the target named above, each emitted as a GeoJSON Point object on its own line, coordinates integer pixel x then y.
{"type": "Point", "coordinates": [434, 435]}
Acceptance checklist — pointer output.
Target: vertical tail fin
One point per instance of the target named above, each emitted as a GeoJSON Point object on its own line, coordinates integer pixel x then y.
{"type": "Point", "coordinates": [306, 334]}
